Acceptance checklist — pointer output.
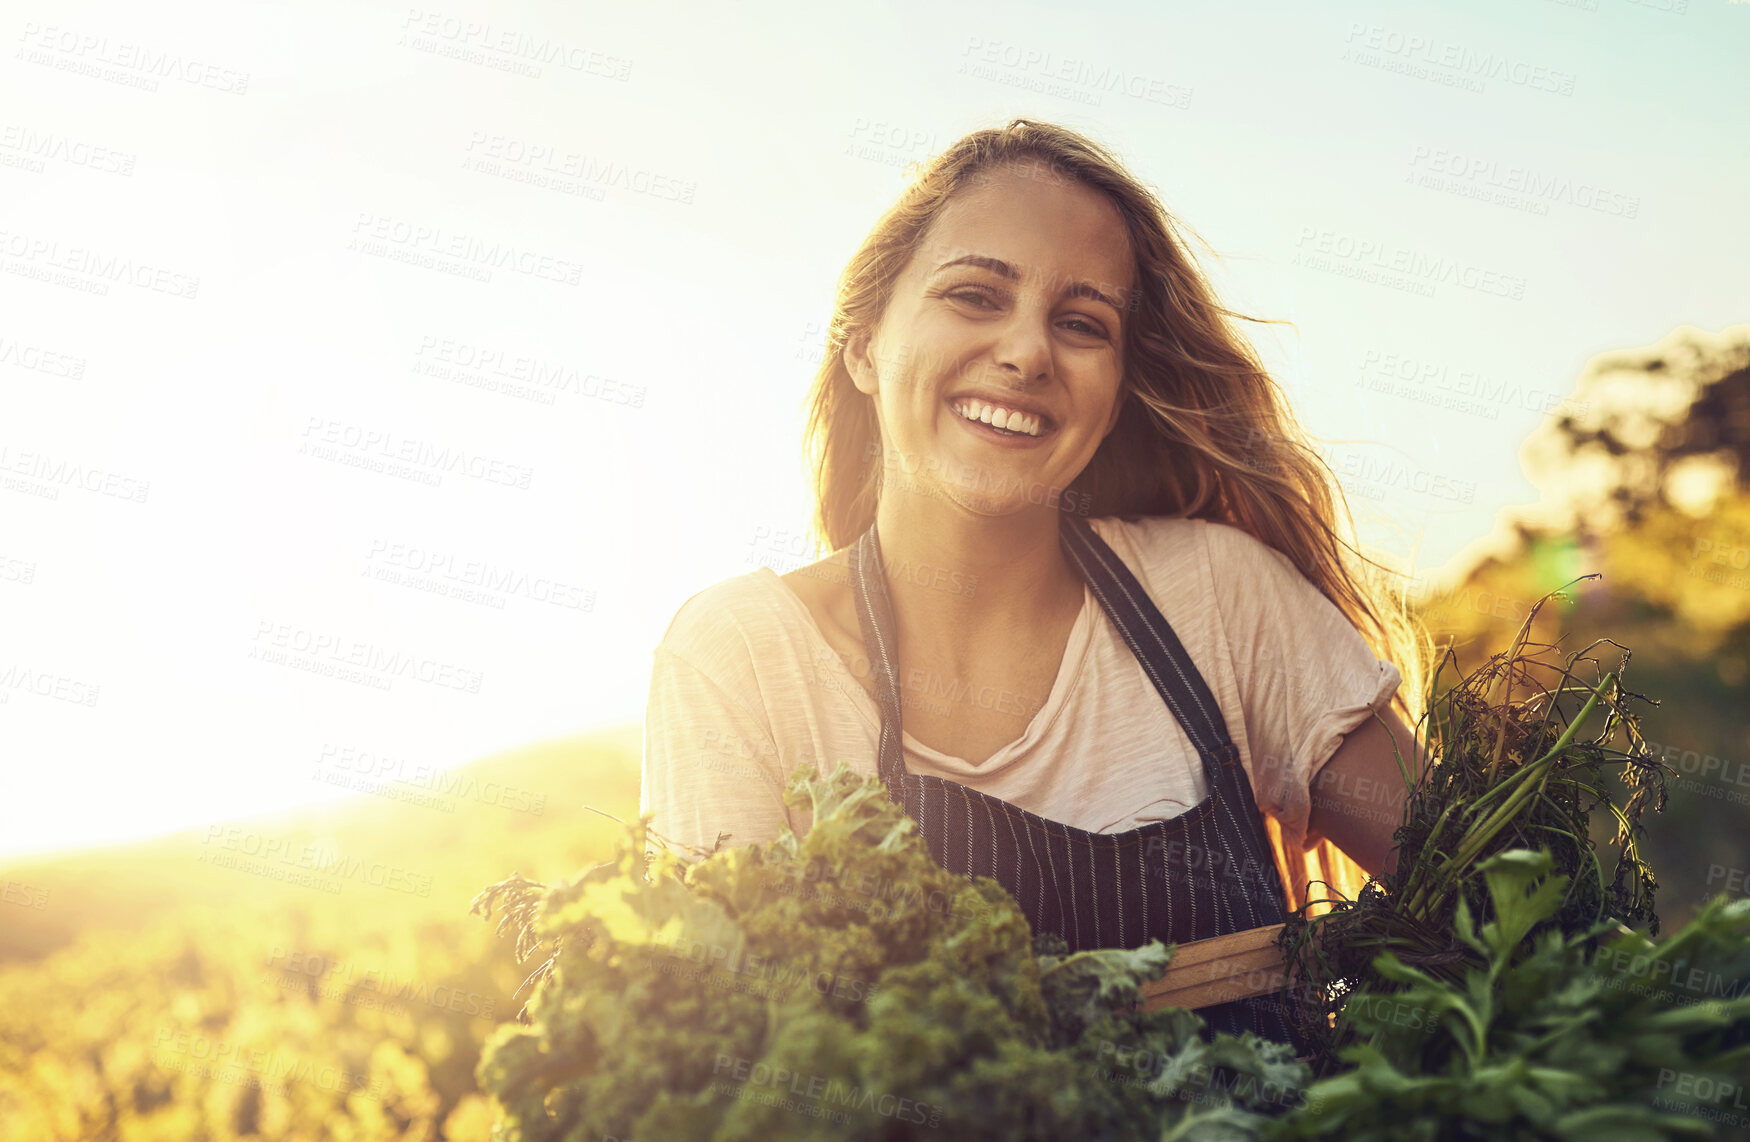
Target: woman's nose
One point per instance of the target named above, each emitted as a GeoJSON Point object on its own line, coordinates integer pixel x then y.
{"type": "Point", "coordinates": [1024, 345]}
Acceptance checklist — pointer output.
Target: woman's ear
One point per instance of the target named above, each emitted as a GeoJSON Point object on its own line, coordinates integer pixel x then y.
{"type": "Point", "coordinates": [859, 363]}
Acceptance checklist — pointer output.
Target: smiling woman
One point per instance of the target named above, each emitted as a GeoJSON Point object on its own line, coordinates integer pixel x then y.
{"type": "Point", "coordinates": [1138, 684]}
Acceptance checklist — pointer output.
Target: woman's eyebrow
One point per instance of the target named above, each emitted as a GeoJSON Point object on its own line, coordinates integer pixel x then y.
{"type": "Point", "coordinates": [997, 265]}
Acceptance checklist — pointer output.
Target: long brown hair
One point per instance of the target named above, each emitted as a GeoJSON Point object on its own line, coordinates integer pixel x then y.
{"type": "Point", "coordinates": [1204, 433]}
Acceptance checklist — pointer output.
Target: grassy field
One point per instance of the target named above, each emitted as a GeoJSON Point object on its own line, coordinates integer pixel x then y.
{"type": "Point", "coordinates": [311, 975]}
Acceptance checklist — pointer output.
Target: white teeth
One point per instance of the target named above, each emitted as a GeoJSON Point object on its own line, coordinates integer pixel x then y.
{"type": "Point", "coordinates": [998, 417]}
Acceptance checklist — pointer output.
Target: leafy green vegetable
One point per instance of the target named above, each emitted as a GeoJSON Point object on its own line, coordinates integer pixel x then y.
{"type": "Point", "coordinates": [842, 985]}
{"type": "Point", "coordinates": [1553, 1037]}
{"type": "Point", "coordinates": [1499, 774]}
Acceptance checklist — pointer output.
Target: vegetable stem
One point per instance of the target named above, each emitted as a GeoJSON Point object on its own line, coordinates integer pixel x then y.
{"type": "Point", "coordinates": [1523, 789]}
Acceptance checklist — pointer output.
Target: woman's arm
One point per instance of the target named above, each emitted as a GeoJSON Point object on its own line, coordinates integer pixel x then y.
{"type": "Point", "coordinates": [1358, 797]}
{"type": "Point", "coordinates": [710, 765]}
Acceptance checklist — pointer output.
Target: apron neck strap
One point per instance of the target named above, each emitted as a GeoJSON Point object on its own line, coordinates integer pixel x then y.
{"type": "Point", "coordinates": [875, 618]}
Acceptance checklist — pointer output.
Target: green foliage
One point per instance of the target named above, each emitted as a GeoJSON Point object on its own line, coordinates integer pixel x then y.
{"type": "Point", "coordinates": [1553, 1037]}
{"type": "Point", "coordinates": [1501, 773]}
{"type": "Point", "coordinates": [842, 985]}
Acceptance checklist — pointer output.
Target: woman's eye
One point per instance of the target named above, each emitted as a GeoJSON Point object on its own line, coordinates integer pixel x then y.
{"type": "Point", "coordinates": [1088, 326]}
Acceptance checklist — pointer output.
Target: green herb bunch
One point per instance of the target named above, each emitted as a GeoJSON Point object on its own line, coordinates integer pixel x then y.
{"type": "Point", "coordinates": [842, 985]}
{"type": "Point", "coordinates": [1506, 766]}
{"type": "Point", "coordinates": [1552, 1037]}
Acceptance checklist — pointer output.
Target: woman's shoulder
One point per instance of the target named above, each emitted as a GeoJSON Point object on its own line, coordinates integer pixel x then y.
{"type": "Point", "coordinates": [1152, 543]}
{"type": "Point", "coordinates": [1161, 539]}
{"type": "Point", "coordinates": [1173, 556]}
{"type": "Point", "coordinates": [722, 627]}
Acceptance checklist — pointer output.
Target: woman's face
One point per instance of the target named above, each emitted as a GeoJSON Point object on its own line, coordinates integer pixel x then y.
{"type": "Point", "coordinates": [1016, 299]}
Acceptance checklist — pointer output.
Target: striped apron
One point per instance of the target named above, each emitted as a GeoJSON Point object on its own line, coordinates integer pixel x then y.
{"type": "Point", "coordinates": [1207, 872]}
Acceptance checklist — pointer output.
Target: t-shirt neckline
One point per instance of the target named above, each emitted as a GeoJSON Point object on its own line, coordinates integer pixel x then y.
{"type": "Point", "coordinates": [1069, 672]}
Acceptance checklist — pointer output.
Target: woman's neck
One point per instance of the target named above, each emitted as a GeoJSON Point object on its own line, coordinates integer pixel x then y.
{"type": "Point", "coordinates": [971, 590]}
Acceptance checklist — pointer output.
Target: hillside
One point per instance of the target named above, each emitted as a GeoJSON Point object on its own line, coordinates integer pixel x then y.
{"type": "Point", "coordinates": [520, 810]}
{"type": "Point", "coordinates": [310, 975]}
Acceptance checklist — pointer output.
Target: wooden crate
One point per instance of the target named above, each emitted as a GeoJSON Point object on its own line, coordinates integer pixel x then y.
{"type": "Point", "coordinates": [1235, 966]}
{"type": "Point", "coordinates": [1217, 970]}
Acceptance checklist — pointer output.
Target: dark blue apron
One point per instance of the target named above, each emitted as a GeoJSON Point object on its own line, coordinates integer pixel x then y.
{"type": "Point", "coordinates": [1207, 872]}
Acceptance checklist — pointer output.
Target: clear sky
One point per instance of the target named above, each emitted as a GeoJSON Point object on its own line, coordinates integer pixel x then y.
{"type": "Point", "coordinates": [263, 265]}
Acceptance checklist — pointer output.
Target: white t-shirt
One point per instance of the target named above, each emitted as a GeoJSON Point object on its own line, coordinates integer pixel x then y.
{"type": "Point", "coordinates": [745, 687]}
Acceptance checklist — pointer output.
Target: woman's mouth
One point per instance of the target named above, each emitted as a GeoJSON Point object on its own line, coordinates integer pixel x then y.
{"type": "Point", "coordinates": [998, 424]}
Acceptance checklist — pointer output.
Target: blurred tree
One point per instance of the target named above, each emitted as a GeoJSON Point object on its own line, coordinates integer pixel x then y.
{"type": "Point", "coordinates": [1644, 478]}
{"type": "Point", "coordinates": [1667, 426]}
